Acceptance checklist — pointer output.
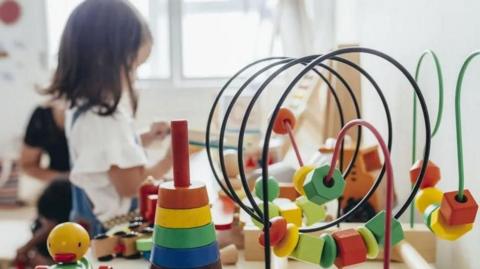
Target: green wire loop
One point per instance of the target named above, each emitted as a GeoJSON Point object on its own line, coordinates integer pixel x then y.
{"type": "Point", "coordinates": [439, 112]}
{"type": "Point", "coordinates": [458, 123]}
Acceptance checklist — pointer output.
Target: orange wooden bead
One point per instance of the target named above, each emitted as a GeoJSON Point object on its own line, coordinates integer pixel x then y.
{"type": "Point", "coordinates": [456, 212]}
{"type": "Point", "coordinates": [432, 174]}
{"type": "Point", "coordinates": [351, 248]}
{"type": "Point", "coordinates": [172, 197]}
{"type": "Point", "coordinates": [284, 115]}
{"type": "Point", "coordinates": [278, 229]}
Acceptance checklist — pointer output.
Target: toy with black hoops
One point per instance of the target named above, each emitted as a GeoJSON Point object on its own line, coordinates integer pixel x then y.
{"type": "Point", "coordinates": [285, 226]}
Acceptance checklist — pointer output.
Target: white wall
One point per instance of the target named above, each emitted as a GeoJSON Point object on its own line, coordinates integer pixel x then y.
{"type": "Point", "coordinates": [404, 29]}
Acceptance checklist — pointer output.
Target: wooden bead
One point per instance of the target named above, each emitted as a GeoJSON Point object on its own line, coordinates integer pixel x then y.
{"type": "Point", "coordinates": [288, 243]}
{"type": "Point", "coordinates": [278, 229]}
{"type": "Point", "coordinates": [144, 244]}
{"type": "Point", "coordinates": [377, 226]}
{"type": "Point", "coordinates": [290, 211]}
{"type": "Point", "coordinates": [426, 197]}
{"type": "Point", "coordinates": [287, 190]}
{"type": "Point", "coordinates": [273, 211]}
{"type": "Point", "coordinates": [223, 211]}
{"type": "Point", "coordinates": [231, 163]}
{"type": "Point", "coordinates": [172, 197]}
{"type": "Point", "coordinates": [444, 231]}
{"type": "Point", "coordinates": [427, 215]}
{"type": "Point", "coordinates": [152, 201]}
{"type": "Point", "coordinates": [229, 255]}
{"type": "Point", "coordinates": [456, 212]}
{"type": "Point", "coordinates": [329, 253]}
{"type": "Point", "coordinates": [183, 218]}
{"type": "Point", "coordinates": [184, 238]}
{"type": "Point", "coordinates": [180, 153]}
{"type": "Point", "coordinates": [432, 174]}
{"type": "Point", "coordinates": [273, 188]}
{"type": "Point", "coordinates": [320, 192]}
{"type": "Point", "coordinates": [351, 248]}
{"type": "Point", "coordinates": [147, 188]}
{"type": "Point", "coordinates": [185, 258]}
{"type": "Point", "coordinates": [299, 177]}
{"type": "Point", "coordinates": [284, 115]}
{"type": "Point", "coordinates": [369, 239]}
{"type": "Point", "coordinates": [103, 247]}
{"type": "Point", "coordinates": [312, 212]}
{"type": "Point", "coordinates": [309, 249]}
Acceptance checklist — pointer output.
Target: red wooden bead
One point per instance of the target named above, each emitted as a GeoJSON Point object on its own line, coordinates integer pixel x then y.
{"type": "Point", "coordinates": [456, 212]}
{"type": "Point", "coordinates": [432, 174]}
{"type": "Point", "coordinates": [284, 115]}
{"type": "Point", "coordinates": [278, 229]}
{"type": "Point", "coordinates": [351, 248]}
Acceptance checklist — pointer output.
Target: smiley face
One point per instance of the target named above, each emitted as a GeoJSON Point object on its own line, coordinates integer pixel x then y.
{"type": "Point", "coordinates": [68, 242]}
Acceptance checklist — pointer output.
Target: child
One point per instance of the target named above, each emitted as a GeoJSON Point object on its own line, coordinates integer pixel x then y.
{"type": "Point", "coordinates": [101, 48]}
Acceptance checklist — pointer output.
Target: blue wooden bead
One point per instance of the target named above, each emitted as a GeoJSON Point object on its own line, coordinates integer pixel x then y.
{"type": "Point", "coordinates": [185, 258]}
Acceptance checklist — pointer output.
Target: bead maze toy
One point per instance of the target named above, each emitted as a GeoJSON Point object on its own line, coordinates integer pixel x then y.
{"type": "Point", "coordinates": [184, 235]}
{"type": "Point", "coordinates": [68, 243]}
{"type": "Point", "coordinates": [288, 234]}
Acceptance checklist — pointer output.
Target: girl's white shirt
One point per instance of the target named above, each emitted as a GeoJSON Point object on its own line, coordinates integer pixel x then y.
{"type": "Point", "coordinates": [97, 143]}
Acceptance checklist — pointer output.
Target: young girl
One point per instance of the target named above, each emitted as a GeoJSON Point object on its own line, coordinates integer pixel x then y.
{"type": "Point", "coordinates": [101, 48]}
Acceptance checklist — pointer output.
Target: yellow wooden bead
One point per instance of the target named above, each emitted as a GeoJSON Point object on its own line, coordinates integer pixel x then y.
{"type": "Point", "coordinates": [183, 218]}
{"type": "Point", "coordinates": [299, 177]}
{"type": "Point", "coordinates": [426, 197]}
{"type": "Point", "coordinates": [290, 211]}
{"type": "Point", "coordinates": [441, 229]}
{"type": "Point", "coordinates": [288, 243]}
{"type": "Point", "coordinates": [372, 245]}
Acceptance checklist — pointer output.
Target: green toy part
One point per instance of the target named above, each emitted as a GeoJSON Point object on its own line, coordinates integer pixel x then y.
{"type": "Point", "coordinates": [309, 249]}
{"type": "Point", "coordinates": [273, 211]}
{"type": "Point", "coordinates": [273, 188]}
{"type": "Point", "coordinates": [377, 226]}
{"type": "Point", "coordinates": [329, 253]}
{"type": "Point", "coordinates": [321, 192]}
{"type": "Point", "coordinates": [312, 212]}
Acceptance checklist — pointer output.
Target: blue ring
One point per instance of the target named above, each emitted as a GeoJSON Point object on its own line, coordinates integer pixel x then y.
{"type": "Point", "coordinates": [185, 258]}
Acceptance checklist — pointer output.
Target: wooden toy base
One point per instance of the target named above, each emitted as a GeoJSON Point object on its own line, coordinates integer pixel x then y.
{"type": "Point", "coordinates": [420, 237]}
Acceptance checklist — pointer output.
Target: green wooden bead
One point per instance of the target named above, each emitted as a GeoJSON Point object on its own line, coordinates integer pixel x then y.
{"type": "Point", "coordinates": [312, 212]}
{"type": "Point", "coordinates": [273, 211]}
{"type": "Point", "coordinates": [309, 249]}
{"type": "Point", "coordinates": [273, 188]}
{"type": "Point", "coordinates": [377, 226]}
{"type": "Point", "coordinates": [370, 241]}
{"type": "Point", "coordinates": [329, 253]}
{"type": "Point", "coordinates": [184, 237]}
{"type": "Point", "coordinates": [427, 215]}
{"type": "Point", "coordinates": [320, 192]}
{"type": "Point", "coordinates": [144, 244]}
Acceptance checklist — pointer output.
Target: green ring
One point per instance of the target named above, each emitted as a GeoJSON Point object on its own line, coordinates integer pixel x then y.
{"type": "Point", "coordinates": [329, 253]}
{"type": "Point", "coordinates": [427, 215]}
{"type": "Point", "coordinates": [369, 239]}
{"type": "Point", "coordinates": [184, 238]}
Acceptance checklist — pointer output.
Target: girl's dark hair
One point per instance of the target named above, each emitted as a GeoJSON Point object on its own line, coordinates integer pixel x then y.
{"type": "Point", "coordinates": [99, 43]}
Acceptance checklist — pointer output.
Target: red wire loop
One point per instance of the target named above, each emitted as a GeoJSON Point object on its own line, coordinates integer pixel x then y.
{"type": "Point", "coordinates": [293, 142]}
{"type": "Point", "coordinates": [389, 173]}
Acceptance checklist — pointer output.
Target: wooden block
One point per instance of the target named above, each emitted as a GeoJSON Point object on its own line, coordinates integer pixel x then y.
{"type": "Point", "coordinates": [329, 252]}
{"type": "Point", "coordinates": [184, 238]}
{"type": "Point", "coordinates": [316, 188]}
{"type": "Point", "coordinates": [129, 243]}
{"type": "Point", "coordinates": [152, 201]}
{"type": "Point", "coordinates": [229, 255]}
{"type": "Point", "coordinates": [290, 211]}
{"type": "Point", "coordinates": [309, 249]}
{"type": "Point", "coordinates": [456, 212]}
{"type": "Point", "coordinates": [299, 178]}
{"type": "Point", "coordinates": [183, 218]}
{"type": "Point", "coordinates": [185, 258]}
{"type": "Point", "coordinates": [147, 188]}
{"type": "Point", "coordinates": [284, 115]}
{"type": "Point", "coordinates": [427, 197]}
{"type": "Point", "coordinates": [432, 174]}
{"type": "Point", "coordinates": [231, 162]}
{"type": "Point", "coordinates": [312, 212]}
{"type": "Point", "coordinates": [351, 248]}
{"type": "Point", "coordinates": [273, 188]}
{"type": "Point", "coordinates": [444, 231]}
{"type": "Point", "coordinates": [287, 190]}
{"type": "Point", "coordinates": [223, 210]}
{"type": "Point", "coordinates": [370, 241]}
{"type": "Point", "coordinates": [377, 226]}
{"type": "Point", "coordinates": [103, 247]}
{"type": "Point", "coordinates": [278, 230]}
{"type": "Point", "coordinates": [253, 251]}
{"type": "Point", "coordinates": [172, 197]}
{"type": "Point", "coordinates": [288, 243]}
{"type": "Point", "coordinates": [273, 211]}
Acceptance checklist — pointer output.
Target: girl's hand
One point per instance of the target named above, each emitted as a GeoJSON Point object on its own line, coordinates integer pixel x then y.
{"type": "Point", "coordinates": [159, 130]}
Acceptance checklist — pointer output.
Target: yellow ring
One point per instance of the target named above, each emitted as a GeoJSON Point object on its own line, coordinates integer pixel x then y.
{"type": "Point", "coordinates": [288, 243]}
{"type": "Point", "coordinates": [183, 218]}
{"type": "Point", "coordinates": [299, 178]}
{"type": "Point", "coordinates": [370, 241]}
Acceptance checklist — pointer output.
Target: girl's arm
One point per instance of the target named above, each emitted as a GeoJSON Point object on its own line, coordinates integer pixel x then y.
{"type": "Point", "coordinates": [39, 236]}
{"type": "Point", "coordinates": [128, 180]}
{"type": "Point", "coordinates": [158, 131]}
{"type": "Point", "coordinates": [30, 163]}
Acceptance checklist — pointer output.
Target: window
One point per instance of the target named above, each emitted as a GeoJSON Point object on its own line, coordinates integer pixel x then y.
{"type": "Point", "coordinates": [201, 41]}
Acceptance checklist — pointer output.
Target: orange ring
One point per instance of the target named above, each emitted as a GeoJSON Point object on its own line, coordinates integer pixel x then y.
{"type": "Point", "coordinates": [284, 114]}
{"type": "Point", "coordinates": [172, 197]}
